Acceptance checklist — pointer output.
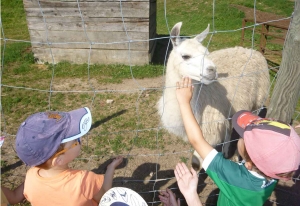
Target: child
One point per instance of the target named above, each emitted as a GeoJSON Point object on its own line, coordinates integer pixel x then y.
{"type": "Point", "coordinates": [48, 142]}
{"type": "Point", "coordinates": [270, 149]}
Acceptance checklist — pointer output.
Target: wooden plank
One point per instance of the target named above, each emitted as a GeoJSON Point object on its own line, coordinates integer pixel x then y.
{"type": "Point", "coordinates": [35, 2]}
{"type": "Point", "coordinates": [76, 19]}
{"type": "Point", "coordinates": [84, 5]}
{"type": "Point", "coordinates": [80, 56]}
{"type": "Point", "coordinates": [277, 35]}
{"type": "Point", "coordinates": [277, 41]}
{"type": "Point", "coordinates": [92, 13]}
{"type": "Point", "coordinates": [75, 4]}
{"type": "Point", "coordinates": [137, 46]}
{"type": "Point", "coordinates": [102, 9]}
{"type": "Point", "coordinates": [263, 38]}
{"type": "Point", "coordinates": [81, 36]}
{"type": "Point", "coordinates": [90, 26]}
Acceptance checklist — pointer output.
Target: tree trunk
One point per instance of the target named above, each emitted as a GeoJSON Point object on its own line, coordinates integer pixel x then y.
{"type": "Point", "coordinates": [287, 88]}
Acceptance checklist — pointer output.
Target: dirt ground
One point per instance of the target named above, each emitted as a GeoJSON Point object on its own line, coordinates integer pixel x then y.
{"type": "Point", "coordinates": [144, 170]}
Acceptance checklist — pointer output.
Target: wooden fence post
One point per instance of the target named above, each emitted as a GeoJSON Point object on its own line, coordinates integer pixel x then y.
{"type": "Point", "coordinates": [287, 88]}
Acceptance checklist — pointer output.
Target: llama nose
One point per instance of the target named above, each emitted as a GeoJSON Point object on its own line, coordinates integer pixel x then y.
{"type": "Point", "coordinates": [212, 72]}
{"type": "Point", "coordinates": [211, 69]}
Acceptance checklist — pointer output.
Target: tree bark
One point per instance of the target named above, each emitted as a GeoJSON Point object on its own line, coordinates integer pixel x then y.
{"type": "Point", "coordinates": [287, 88]}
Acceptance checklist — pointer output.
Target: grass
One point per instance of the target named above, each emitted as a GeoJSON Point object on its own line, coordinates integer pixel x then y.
{"type": "Point", "coordinates": [127, 123]}
{"type": "Point", "coordinates": [13, 19]}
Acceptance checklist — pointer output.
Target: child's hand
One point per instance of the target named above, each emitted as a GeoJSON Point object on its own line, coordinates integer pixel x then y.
{"type": "Point", "coordinates": [187, 180]}
{"type": "Point", "coordinates": [298, 126]}
{"type": "Point", "coordinates": [184, 90]}
{"type": "Point", "coordinates": [115, 163]}
{"type": "Point", "coordinates": [168, 198]}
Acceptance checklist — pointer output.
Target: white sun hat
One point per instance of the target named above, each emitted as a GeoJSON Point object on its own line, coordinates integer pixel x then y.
{"type": "Point", "coordinates": [121, 196]}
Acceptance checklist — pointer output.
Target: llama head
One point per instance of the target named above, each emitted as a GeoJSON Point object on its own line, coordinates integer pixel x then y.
{"type": "Point", "coordinates": [190, 57]}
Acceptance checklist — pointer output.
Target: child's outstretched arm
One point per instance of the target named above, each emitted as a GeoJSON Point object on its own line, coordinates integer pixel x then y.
{"type": "Point", "coordinates": [14, 196]}
{"type": "Point", "coordinates": [184, 93]}
{"type": "Point", "coordinates": [108, 178]}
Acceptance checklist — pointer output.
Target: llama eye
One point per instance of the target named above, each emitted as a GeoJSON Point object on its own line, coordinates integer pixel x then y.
{"type": "Point", "coordinates": [186, 57]}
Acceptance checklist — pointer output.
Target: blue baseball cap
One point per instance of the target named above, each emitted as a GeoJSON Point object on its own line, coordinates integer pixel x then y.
{"type": "Point", "coordinates": [41, 134]}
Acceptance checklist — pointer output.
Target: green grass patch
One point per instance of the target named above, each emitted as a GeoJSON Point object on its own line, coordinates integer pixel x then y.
{"type": "Point", "coordinates": [13, 19]}
{"type": "Point", "coordinates": [106, 73]}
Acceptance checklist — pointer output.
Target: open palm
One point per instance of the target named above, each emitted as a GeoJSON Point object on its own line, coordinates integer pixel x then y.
{"type": "Point", "coordinates": [186, 180]}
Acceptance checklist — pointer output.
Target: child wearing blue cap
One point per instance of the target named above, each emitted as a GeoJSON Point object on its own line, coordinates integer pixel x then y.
{"type": "Point", "coordinates": [48, 142]}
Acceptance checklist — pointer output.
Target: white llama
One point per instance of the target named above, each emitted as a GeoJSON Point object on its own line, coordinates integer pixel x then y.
{"type": "Point", "coordinates": [243, 83]}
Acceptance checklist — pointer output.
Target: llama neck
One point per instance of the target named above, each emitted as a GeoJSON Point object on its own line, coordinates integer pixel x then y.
{"type": "Point", "coordinates": [172, 73]}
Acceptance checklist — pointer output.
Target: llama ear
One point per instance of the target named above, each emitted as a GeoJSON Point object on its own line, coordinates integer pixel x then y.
{"type": "Point", "coordinates": [175, 33]}
{"type": "Point", "coordinates": [202, 36]}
